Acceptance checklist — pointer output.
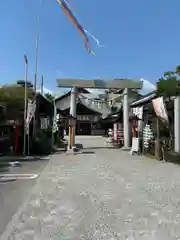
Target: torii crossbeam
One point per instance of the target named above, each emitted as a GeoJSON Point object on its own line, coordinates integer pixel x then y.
{"type": "Point", "coordinates": [100, 84]}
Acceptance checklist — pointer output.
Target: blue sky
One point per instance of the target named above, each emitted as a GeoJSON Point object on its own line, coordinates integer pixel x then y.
{"type": "Point", "coordinates": [142, 39]}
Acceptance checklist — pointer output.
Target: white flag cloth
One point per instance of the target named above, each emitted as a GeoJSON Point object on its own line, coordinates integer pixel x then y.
{"type": "Point", "coordinates": [30, 113]}
{"type": "Point", "coordinates": [138, 111]}
{"type": "Point", "coordinates": [55, 127]}
{"type": "Point", "coordinates": [160, 109]}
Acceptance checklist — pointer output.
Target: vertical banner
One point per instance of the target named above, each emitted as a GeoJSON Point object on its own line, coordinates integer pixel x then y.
{"type": "Point", "coordinates": [138, 112]}
{"type": "Point", "coordinates": [161, 112]}
{"type": "Point", "coordinates": [30, 113]}
{"type": "Point", "coordinates": [147, 135]}
{"type": "Point", "coordinates": [113, 135]}
{"type": "Point", "coordinates": [160, 109]}
{"type": "Point", "coordinates": [55, 127]}
{"type": "Point", "coordinates": [116, 133]}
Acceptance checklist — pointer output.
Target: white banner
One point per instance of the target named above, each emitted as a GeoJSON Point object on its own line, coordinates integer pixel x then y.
{"type": "Point", "coordinates": [160, 109]}
{"type": "Point", "coordinates": [30, 113]}
{"type": "Point", "coordinates": [138, 111]}
{"type": "Point", "coordinates": [55, 119]}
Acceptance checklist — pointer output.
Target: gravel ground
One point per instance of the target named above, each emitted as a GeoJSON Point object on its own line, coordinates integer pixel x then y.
{"type": "Point", "coordinates": [13, 193]}
{"type": "Point", "coordinates": [103, 194]}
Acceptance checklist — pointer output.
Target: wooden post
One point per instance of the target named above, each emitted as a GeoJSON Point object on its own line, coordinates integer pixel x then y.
{"type": "Point", "coordinates": [70, 136]}
{"type": "Point", "coordinates": [157, 147]}
{"type": "Point", "coordinates": [117, 128]}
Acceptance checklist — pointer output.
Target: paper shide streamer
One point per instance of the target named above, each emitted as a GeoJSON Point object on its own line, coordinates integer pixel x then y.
{"type": "Point", "coordinates": [86, 35]}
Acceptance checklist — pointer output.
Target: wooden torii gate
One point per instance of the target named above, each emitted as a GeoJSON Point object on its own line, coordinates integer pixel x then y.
{"type": "Point", "coordinates": [100, 84]}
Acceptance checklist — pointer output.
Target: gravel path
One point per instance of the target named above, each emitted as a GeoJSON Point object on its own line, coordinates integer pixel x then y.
{"type": "Point", "coordinates": [108, 194]}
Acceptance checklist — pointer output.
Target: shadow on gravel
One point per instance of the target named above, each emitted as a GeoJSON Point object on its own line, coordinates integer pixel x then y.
{"type": "Point", "coordinates": [7, 180]}
{"type": "Point", "coordinates": [3, 180]}
{"type": "Point", "coordinates": [94, 148]}
{"type": "Point", "coordinates": [5, 160]}
{"type": "Point", "coordinates": [172, 157]}
{"type": "Point", "coordinates": [87, 152]}
{"type": "Point", "coordinates": [59, 151]}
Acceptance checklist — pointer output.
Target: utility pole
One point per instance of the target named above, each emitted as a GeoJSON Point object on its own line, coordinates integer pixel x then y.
{"type": "Point", "coordinates": [35, 76]}
{"type": "Point", "coordinates": [42, 85]}
{"type": "Point", "coordinates": [25, 103]}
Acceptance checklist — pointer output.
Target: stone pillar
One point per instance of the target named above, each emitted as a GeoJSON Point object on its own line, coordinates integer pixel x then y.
{"type": "Point", "coordinates": [126, 121]}
{"type": "Point", "coordinates": [73, 114]}
{"type": "Point", "coordinates": [177, 124]}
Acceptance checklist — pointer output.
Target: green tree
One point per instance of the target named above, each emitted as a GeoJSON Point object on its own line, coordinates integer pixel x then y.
{"type": "Point", "coordinates": [178, 70]}
{"type": "Point", "coordinates": [50, 97]}
{"type": "Point", "coordinates": [12, 98]}
{"type": "Point", "coordinates": [169, 84]}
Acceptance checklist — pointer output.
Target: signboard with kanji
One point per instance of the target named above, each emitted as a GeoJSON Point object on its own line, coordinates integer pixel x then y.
{"type": "Point", "coordinates": [85, 117]}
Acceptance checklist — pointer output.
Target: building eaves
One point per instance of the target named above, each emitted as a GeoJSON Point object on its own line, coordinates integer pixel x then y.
{"type": "Point", "coordinates": [144, 99]}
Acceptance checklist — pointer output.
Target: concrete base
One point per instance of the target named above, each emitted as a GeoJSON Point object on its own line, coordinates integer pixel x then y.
{"type": "Point", "coordinates": [126, 149]}
{"type": "Point", "coordinates": [72, 150]}
{"type": "Point", "coordinates": [78, 146]}
{"type": "Point", "coordinates": [133, 152]}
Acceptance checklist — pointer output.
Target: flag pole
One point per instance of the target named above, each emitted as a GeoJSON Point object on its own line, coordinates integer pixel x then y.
{"type": "Point", "coordinates": [28, 124]}
{"type": "Point", "coordinates": [42, 85]}
{"type": "Point", "coordinates": [35, 75]}
{"type": "Point", "coordinates": [25, 103]}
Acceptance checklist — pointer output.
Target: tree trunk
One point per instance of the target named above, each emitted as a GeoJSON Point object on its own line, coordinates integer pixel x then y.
{"type": "Point", "coordinates": [158, 150]}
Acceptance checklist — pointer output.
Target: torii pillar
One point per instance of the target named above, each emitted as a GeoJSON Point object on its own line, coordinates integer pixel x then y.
{"type": "Point", "coordinates": [126, 120]}
{"type": "Point", "coordinates": [101, 84]}
{"type": "Point", "coordinates": [72, 132]}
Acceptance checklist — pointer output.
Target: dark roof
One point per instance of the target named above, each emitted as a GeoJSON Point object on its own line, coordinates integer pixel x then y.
{"type": "Point", "coordinates": [83, 90]}
{"type": "Point", "coordinates": [114, 116]}
{"type": "Point", "coordinates": [111, 119]}
{"type": "Point", "coordinates": [45, 106]}
{"type": "Point", "coordinates": [144, 99]}
{"type": "Point", "coordinates": [80, 90]}
{"type": "Point", "coordinates": [80, 107]}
